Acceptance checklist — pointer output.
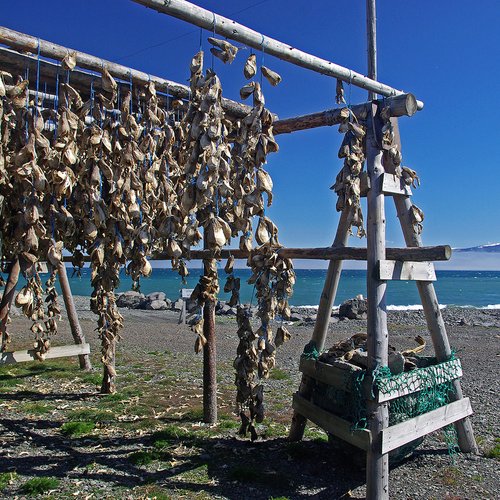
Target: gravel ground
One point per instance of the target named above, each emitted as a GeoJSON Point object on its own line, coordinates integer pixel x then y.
{"type": "Point", "coordinates": [159, 378]}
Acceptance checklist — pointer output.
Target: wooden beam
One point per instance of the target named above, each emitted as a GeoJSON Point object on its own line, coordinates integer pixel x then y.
{"type": "Point", "coordinates": [331, 423]}
{"type": "Point", "coordinates": [394, 185]}
{"type": "Point", "coordinates": [400, 434]}
{"type": "Point", "coordinates": [63, 351]}
{"type": "Point", "coordinates": [377, 464]}
{"type": "Point", "coordinates": [7, 298]}
{"type": "Point", "coordinates": [27, 43]}
{"type": "Point", "coordinates": [371, 39]}
{"type": "Point", "coordinates": [401, 105]}
{"type": "Point", "coordinates": [336, 374]}
{"type": "Point", "coordinates": [415, 381]}
{"type": "Point", "coordinates": [406, 271]}
{"type": "Point", "coordinates": [210, 21]}
{"type": "Point", "coordinates": [74, 323]}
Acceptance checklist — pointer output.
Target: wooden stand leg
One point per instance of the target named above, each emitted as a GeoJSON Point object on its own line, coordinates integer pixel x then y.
{"type": "Point", "coordinates": [7, 298]}
{"type": "Point", "coordinates": [377, 464]}
{"type": "Point", "coordinates": [76, 329]}
{"type": "Point", "coordinates": [433, 316]}
{"type": "Point", "coordinates": [323, 319]}
{"type": "Point", "coordinates": [209, 364]}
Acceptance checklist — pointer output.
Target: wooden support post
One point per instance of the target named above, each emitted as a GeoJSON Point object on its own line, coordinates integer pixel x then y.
{"type": "Point", "coordinates": [76, 329]}
{"type": "Point", "coordinates": [209, 359]}
{"type": "Point", "coordinates": [371, 37]}
{"type": "Point", "coordinates": [323, 319]}
{"type": "Point", "coordinates": [433, 316]}
{"type": "Point", "coordinates": [377, 464]}
{"type": "Point", "coordinates": [7, 298]}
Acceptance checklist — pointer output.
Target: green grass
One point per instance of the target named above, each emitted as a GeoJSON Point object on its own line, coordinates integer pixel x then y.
{"type": "Point", "coordinates": [494, 451]}
{"type": "Point", "coordinates": [144, 457]}
{"type": "Point", "coordinates": [34, 408]}
{"type": "Point", "coordinates": [6, 478]}
{"type": "Point", "coordinates": [90, 415]}
{"type": "Point", "coordinates": [76, 429]}
{"type": "Point", "coordinates": [279, 374]}
{"type": "Point", "coordinates": [39, 485]}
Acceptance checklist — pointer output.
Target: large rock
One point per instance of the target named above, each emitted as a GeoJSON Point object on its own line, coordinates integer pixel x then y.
{"type": "Point", "coordinates": [354, 308]}
{"type": "Point", "coordinates": [157, 305]}
{"type": "Point", "coordinates": [131, 300]}
{"type": "Point", "coordinates": [156, 296]}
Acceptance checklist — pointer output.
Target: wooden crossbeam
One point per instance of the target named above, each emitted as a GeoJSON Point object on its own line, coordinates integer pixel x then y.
{"type": "Point", "coordinates": [400, 434]}
{"type": "Point", "coordinates": [412, 271]}
{"type": "Point", "coordinates": [63, 351]}
{"type": "Point", "coordinates": [331, 423]}
{"type": "Point", "coordinates": [337, 375]}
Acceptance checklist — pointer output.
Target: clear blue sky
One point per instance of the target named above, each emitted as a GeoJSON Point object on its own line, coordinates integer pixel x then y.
{"type": "Point", "coordinates": [446, 52]}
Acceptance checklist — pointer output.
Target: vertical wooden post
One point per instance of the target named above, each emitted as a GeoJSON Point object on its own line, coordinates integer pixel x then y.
{"type": "Point", "coordinates": [209, 359]}
{"type": "Point", "coordinates": [430, 304]}
{"type": "Point", "coordinates": [76, 329]}
{"type": "Point", "coordinates": [371, 36]}
{"type": "Point", "coordinates": [377, 464]}
{"type": "Point", "coordinates": [323, 319]}
{"type": "Point", "coordinates": [7, 298]}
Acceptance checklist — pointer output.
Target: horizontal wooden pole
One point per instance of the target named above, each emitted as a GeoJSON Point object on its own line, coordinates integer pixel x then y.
{"type": "Point", "coordinates": [331, 423]}
{"type": "Point", "coordinates": [27, 43]}
{"type": "Point", "coordinates": [400, 434]}
{"type": "Point", "coordinates": [210, 21]}
{"type": "Point", "coordinates": [406, 271]}
{"type": "Point", "coordinates": [415, 380]}
{"type": "Point", "coordinates": [417, 254]}
{"type": "Point", "coordinates": [63, 351]}
{"type": "Point", "coordinates": [401, 105]}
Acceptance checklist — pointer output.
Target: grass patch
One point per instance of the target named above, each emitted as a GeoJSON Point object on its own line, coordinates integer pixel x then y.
{"type": "Point", "coordinates": [39, 485]}
{"type": "Point", "coordinates": [279, 374]}
{"type": "Point", "coordinates": [6, 478]}
{"type": "Point", "coordinates": [91, 378]}
{"type": "Point", "coordinates": [36, 408]}
{"type": "Point", "coordinates": [450, 476]}
{"type": "Point", "coordinates": [315, 434]}
{"type": "Point", "coordinates": [494, 451]}
{"type": "Point", "coordinates": [90, 415]}
{"type": "Point", "coordinates": [76, 429]}
{"type": "Point", "coordinates": [144, 457]}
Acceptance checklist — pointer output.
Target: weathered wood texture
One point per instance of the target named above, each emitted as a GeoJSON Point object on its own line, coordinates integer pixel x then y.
{"type": "Point", "coordinates": [64, 351]}
{"type": "Point", "coordinates": [414, 381]}
{"type": "Point", "coordinates": [336, 375]}
{"type": "Point", "coordinates": [394, 185]}
{"type": "Point", "coordinates": [323, 318]}
{"type": "Point", "coordinates": [377, 464]}
{"type": "Point", "coordinates": [23, 42]}
{"type": "Point", "coordinates": [401, 105]}
{"type": "Point", "coordinates": [371, 42]}
{"type": "Point", "coordinates": [74, 323]}
{"type": "Point", "coordinates": [7, 298]}
{"type": "Point", "coordinates": [433, 316]}
{"type": "Point", "coordinates": [400, 434]}
{"type": "Point", "coordinates": [208, 20]}
{"type": "Point", "coordinates": [413, 271]}
{"type": "Point", "coordinates": [331, 423]}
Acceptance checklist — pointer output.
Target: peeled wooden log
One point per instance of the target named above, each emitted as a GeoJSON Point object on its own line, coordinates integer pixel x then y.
{"type": "Point", "coordinates": [26, 43]}
{"type": "Point", "coordinates": [401, 105]}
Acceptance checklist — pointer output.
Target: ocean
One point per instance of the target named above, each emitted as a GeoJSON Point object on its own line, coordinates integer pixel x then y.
{"type": "Point", "coordinates": [454, 288]}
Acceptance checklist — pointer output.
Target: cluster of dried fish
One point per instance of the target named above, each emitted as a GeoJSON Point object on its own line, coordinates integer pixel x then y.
{"type": "Point", "coordinates": [348, 182]}
{"type": "Point", "coordinates": [408, 175]}
{"type": "Point", "coordinates": [353, 350]}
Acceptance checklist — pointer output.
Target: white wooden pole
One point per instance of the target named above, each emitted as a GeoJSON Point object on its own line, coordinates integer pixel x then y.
{"type": "Point", "coordinates": [208, 20]}
{"type": "Point", "coordinates": [377, 464]}
{"type": "Point", "coordinates": [371, 35]}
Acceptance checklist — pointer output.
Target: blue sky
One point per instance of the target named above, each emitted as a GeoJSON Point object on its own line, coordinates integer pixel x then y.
{"type": "Point", "coordinates": [447, 53]}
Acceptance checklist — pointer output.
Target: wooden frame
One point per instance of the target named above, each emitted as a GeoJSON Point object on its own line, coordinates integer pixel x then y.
{"type": "Point", "coordinates": [7, 358]}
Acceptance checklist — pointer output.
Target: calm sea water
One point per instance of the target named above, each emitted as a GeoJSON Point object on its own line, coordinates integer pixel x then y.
{"type": "Point", "coordinates": [460, 288]}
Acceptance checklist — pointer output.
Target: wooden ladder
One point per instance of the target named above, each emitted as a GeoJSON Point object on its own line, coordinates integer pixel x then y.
{"type": "Point", "coordinates": [379, 439]}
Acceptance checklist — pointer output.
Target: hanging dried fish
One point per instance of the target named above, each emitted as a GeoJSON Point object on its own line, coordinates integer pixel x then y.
{"type": "Point", "coordinates": [250, 68]}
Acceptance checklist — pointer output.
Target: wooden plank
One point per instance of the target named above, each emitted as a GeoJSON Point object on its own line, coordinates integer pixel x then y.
{"type": "Point", "coordinates": [414, 382]}
{"type": "Point", "coordinates": [413, 271]}
{"type": "Point", "coordinates": [398, 435]}
{"type": "Point", "coordinates": [394, 185]}
{"type": "Point", "coordinates": [208, 20]}
{"type": "Point", "coordinates": [62, 351]}
{"type": "Point", "coordinates": [336, 376]}
{"type": "Point", "coordinates": [331, 423]}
